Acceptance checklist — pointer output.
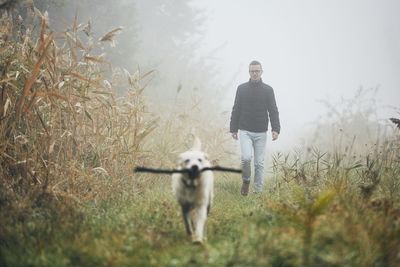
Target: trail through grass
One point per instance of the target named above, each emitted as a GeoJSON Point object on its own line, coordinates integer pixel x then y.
{"type": "Point", "coordinates": [275, 228]}
{"type": "Point", "coordinates": [147, 230]}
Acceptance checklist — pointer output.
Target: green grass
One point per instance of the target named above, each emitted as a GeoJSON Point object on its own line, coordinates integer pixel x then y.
{"type": "Point", "coordinates": [147, 230]}
{"type": "Point", "coordinates": [141, 230]}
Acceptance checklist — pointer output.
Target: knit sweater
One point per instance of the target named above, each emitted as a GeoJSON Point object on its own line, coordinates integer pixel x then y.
{"type": "Point", "coordinates": [254, 103]}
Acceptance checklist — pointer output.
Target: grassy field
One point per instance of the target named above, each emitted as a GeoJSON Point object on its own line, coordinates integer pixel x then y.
{"type": "Point", "coordinates": [68, 196]}
{"type": "Point", "coordinates": [276, 228]}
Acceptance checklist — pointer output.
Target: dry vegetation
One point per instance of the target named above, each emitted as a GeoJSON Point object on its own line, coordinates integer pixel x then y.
{"type": "Point", "coordinates": [68, 144]}
{"type": "Point", "coordinates": [65, 137]}
{"type": "Point", "coordinates": [62, 126]}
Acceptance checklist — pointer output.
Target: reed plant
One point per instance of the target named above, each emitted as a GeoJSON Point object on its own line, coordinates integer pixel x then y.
{"type": "Point", "coordinates": [66, 138]}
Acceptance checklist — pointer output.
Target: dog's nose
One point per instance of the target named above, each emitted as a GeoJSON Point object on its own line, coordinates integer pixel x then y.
{"type": "Point", "coordinates": [194, 172]}
{"type": "Point", "coordinates": [195, 168]}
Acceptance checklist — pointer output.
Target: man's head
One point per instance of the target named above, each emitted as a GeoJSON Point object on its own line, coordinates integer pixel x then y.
{"type": "Point", "coordinates": [255, 70]}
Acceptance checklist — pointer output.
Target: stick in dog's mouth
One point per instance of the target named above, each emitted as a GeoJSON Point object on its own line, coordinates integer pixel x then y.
{"type": "Point", "coordinates": [171, 171]}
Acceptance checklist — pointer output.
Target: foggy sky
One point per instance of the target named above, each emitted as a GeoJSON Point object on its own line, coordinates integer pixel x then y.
{"type": "Point", "coordinates": [310, 50]}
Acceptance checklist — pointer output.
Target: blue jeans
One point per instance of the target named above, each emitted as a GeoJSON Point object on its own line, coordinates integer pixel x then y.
{"type": "Point", "coordinates": [253, 142]}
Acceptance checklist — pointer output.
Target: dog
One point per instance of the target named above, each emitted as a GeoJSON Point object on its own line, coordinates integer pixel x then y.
{"type": "Point", "coordinates": [194, 190]}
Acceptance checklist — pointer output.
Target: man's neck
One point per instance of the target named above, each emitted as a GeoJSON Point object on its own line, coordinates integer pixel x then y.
{"type": "Point", "coordinates": [255, 81]}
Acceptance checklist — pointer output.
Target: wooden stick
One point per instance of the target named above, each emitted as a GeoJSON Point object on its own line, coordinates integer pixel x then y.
{"type": "Point", "coordinates": [165, 171]}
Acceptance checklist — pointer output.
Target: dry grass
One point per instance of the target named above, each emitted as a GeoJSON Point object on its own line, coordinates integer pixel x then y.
{"type": "Point", "coordinates": [62, 126]}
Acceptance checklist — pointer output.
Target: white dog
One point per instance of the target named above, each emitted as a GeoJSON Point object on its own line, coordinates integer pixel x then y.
{"type": "Point", "coordinates": [194, 190]}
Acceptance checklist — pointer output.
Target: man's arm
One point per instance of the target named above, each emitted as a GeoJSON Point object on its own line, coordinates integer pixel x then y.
{"type": "Point", "coordinates": [234, 123]}
{"type": "Point", "coordinates": [273, 115]}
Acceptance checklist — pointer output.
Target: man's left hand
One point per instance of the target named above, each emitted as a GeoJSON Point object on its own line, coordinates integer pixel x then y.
{"type": "Point", "coordinates": [274, 135]}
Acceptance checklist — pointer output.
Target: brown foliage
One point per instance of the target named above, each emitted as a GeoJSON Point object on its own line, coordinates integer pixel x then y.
{"type": "Point", "coordinates": [62, 127]}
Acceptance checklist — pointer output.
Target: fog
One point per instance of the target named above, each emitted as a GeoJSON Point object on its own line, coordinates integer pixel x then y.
{"type": "Point", "coordinates": [310, 51]}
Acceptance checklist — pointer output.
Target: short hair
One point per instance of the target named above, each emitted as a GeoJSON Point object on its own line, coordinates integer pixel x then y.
{"type": "Point", "coordinates": [255, 62]}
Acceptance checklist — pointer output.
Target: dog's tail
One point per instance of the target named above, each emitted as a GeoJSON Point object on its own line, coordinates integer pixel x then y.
{"type": "Point", "coordinates": [196, 143]}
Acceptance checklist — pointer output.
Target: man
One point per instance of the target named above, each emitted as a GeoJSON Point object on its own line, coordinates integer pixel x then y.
{"type": "Point", "coordinates": [254, 103]}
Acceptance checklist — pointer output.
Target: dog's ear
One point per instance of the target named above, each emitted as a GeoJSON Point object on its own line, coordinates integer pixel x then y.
{"type": "Point", "coordinates": [180, 160]}
{"type": "Point", "coordinates": [196, 144]}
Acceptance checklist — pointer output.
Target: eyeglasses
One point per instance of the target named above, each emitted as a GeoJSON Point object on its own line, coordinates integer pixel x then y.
{"type": "Point", "coordinates": [254, 71]}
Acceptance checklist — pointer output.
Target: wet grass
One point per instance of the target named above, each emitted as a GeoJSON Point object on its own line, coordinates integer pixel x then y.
{"type": "Point", "coordinates": [258, 230]}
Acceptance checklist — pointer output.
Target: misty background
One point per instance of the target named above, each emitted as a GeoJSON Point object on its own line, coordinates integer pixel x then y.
{"type": "Point", "coordinates": [310, 50]}
{"type": "Point", "coordinates": [317, 55]}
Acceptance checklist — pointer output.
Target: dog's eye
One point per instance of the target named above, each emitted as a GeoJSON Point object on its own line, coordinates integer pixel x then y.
{"type": "Point", "coordinates": [186, 161]}
{"type": "Point", "coordinates": [200, 160]}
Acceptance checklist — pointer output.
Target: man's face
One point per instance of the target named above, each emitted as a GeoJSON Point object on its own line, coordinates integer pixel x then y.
{"type": "Point", "coordinates": [255, 72]}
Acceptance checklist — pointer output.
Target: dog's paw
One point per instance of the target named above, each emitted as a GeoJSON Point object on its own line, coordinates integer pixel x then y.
{"type": "Point", "coordinates": [197, 240]}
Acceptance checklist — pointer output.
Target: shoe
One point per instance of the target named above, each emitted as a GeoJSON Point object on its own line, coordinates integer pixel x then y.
{"type": "Point", "coordinates": [245, 188]}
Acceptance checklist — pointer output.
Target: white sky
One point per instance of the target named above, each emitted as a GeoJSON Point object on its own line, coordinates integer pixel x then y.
{"type": "Point", "coordinates": [310, 50]}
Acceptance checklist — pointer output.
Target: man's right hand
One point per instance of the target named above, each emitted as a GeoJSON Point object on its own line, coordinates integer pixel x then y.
{"type": "Point", "coordinates": [235, 136]}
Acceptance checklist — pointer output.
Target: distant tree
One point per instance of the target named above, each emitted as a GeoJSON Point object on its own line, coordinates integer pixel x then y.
{"type": "Point", "coordinates": [160, 35]}
{"type": "Point", "coordinates": [7, 4]}
{"type": "Point", "coordinates": [171, 32]}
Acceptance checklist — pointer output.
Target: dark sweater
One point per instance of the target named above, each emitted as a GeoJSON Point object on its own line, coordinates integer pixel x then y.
{"type": "Point", "coordinates": [254, 102]}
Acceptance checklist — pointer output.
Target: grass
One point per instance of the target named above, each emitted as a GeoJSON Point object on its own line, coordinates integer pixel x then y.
{"type": "Point", "coordinates": [146, 230]}
{"type": "Point", "coordinates": [270, 229]}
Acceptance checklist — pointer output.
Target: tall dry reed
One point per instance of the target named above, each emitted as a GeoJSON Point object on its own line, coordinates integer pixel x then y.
{"type": "Point", "coordinates": [63, 128]}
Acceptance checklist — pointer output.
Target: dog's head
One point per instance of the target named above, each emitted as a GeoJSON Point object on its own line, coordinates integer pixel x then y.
{"type": "Point", "coordinates": [193, 162]}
